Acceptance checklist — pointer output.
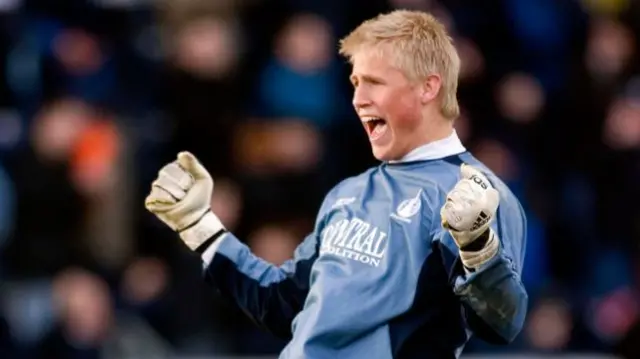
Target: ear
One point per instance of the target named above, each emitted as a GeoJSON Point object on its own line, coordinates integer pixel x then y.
{"type": "Point", "coordinates": [430, 88]}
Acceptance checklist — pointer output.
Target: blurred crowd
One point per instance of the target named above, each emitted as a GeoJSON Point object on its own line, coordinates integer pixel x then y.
{"type": "Point", "coordinates": [95, 96]}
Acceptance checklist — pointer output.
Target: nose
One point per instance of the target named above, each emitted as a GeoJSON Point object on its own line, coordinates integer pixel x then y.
{"type": "Point", "coordinates": [360, 98]}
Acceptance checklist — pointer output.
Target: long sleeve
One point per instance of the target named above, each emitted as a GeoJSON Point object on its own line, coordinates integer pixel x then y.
{"type": "Point", "coordinates": [494, 298]}
{"type": "Point", "coordinates": [495, 295]}
{"type": "Point", "coordinates": [270, 295]}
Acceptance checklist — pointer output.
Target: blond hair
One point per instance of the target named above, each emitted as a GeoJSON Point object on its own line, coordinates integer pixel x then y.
{"type": "Point", "coordinates": [419, 45]}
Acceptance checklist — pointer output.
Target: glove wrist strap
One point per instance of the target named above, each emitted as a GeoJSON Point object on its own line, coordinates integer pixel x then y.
{"type": "Point", "coordinates": [206, 230]}
{"type": "Point", "coordinates": [474, 259]}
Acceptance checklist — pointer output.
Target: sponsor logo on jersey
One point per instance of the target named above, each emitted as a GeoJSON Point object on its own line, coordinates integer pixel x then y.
{"type": "Point", "coordinates": [355, 239]}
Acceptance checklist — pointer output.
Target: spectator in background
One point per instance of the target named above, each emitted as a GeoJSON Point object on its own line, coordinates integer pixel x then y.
{"type": "Point", "coordinates": [285, 150]}
{"type": "Point", "coordinates": [37, 259]}
{"type": "Point", "coordinates": [301, 77]}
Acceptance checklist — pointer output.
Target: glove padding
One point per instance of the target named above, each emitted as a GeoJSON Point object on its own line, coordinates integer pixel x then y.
{"type": "Point", "coordinates": [181, 197]}
{"type": "Point", "coordinates": [467, 214]}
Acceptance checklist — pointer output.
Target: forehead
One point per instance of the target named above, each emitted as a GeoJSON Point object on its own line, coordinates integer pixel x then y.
{"type": "Point", "coordinates": [372, 62]}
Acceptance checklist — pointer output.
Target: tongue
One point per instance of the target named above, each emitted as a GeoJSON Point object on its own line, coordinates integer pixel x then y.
{"type": "Point", "coordinates": [379, 129]}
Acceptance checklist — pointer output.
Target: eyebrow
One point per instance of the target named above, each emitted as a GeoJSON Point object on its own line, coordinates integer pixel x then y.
{"type": "Point", "coordinates": [366, 78]}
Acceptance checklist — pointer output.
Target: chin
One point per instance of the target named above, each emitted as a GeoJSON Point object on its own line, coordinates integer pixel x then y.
{"type": "Point", "coordinates": [385, 153]}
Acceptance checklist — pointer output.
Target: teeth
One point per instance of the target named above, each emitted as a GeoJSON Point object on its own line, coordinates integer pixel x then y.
{"type": "Point", "coordinates": [369, 119]}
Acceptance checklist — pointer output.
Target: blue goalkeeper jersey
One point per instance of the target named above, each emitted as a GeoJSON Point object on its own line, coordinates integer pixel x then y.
{"type": "Point", "coordinates": [379, 277]}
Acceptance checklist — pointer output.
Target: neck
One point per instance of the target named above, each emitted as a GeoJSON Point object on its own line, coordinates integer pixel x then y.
{"type": "Point", "coordinates": [435, 128]}
{"type": "Point", "coordinates": [436, 149]}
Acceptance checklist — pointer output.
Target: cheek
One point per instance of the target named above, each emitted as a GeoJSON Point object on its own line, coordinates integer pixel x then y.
{"type": "Point", "coordinates": [404, 113]}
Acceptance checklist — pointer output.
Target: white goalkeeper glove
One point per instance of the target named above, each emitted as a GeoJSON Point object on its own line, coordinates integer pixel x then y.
{"type": "Point", "coordinates": [181, 198]}
{"type": "Point", "coordinates": [467, 214]}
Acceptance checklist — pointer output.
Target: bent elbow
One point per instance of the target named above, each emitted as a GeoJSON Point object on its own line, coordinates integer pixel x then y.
{"type": "Point", "coordinates": [505, 323]}
{"type": "Point", "coordinates": [516, 318]}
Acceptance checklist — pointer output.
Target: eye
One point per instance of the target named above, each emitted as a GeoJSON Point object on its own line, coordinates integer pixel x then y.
{"type": "Point", "coordinates": [373, 80]}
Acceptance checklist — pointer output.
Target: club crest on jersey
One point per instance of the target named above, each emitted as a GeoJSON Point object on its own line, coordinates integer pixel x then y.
{"type": "Point", "coordinates": [408, 208]}
{"type": "Point", "coordinates": [343, 202]}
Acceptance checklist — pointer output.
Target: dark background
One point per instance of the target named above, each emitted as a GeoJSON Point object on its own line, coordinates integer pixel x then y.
{"type": "Point", "coordinates": [96, 96]}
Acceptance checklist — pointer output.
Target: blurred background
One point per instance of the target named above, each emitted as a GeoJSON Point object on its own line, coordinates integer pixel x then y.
{"type": "Point", "coordinates": [95, 96]}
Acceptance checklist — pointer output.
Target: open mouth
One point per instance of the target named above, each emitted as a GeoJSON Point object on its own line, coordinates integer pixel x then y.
{"type": "Point", "coordinates": [375, 126]}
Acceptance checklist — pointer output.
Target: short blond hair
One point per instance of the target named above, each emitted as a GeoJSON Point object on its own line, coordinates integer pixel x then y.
{"type": "Point", "coordinates": [419, 45]}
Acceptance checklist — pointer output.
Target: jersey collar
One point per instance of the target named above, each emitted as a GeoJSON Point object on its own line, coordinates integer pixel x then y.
{"type": "Point", "coordinates": [445, 147]}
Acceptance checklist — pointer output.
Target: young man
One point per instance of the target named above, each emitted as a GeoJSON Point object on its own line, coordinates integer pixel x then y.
{"type": "Point", "coordinates": [408, 259]}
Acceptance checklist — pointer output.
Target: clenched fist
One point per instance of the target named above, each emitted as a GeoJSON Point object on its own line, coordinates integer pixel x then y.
{"type": "Point", "coordinates": [181, 196]}
{"type": "Point", "coordinates": [467, 214]}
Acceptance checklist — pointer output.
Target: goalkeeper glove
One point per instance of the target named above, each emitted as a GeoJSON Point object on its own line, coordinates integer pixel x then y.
{"type": "Point", "coordinates": [181, 198]}
{"type": "Point", "coordinates": [467, 214]}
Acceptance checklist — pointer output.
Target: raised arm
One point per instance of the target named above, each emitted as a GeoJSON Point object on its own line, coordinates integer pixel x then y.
{"type": "Point", "coordinates": [492, 293]}
{"type": "Point", "coordinates": [270, 295]}
{"type": "Point", "coordinates": [485, 273]}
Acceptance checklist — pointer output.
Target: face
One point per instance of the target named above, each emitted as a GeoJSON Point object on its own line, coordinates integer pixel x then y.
{"type": "Point", "coordinates": [388, 104]}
